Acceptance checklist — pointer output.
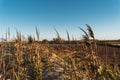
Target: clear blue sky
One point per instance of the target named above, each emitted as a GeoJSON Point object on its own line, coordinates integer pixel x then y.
{"type": "Point", "coordinates": [102, 15]}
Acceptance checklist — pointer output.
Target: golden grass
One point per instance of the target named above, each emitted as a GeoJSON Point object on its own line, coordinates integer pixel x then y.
{"type": "Point", "coordinates": [40, 61]}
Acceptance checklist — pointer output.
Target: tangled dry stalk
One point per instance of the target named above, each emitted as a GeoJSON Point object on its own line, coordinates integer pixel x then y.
{"type": "Point", "coordinates": [34, 60]}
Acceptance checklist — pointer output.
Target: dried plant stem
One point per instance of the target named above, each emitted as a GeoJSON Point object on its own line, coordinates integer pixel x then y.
{"type": "Point", "coordinates": [37, 33]}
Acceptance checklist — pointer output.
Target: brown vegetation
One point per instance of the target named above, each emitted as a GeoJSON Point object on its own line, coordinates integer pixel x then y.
{"type": "Point", "coordinates": [35, 60]}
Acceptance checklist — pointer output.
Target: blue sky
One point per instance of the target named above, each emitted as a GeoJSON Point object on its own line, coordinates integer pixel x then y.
{"type": "Point", "coordinates": [102, 15]}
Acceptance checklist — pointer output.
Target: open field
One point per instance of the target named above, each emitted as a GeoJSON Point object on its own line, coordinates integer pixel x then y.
{"type": "Point", "coordinates": [87, 59]}
{"type": "Point", "coordinates": [52, 40]}
{"type": "Point", "coordinates": [39, 61]}
{"type": "Point", "coordinates": [104, 50]}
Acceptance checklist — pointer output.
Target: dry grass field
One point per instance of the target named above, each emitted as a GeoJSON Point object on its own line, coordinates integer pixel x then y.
{"type": "Point", "coordinates": [35, 60]}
